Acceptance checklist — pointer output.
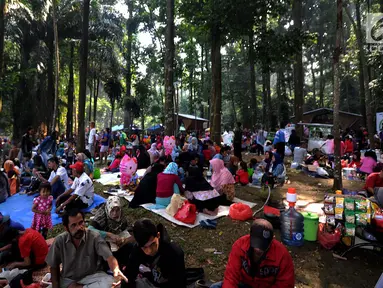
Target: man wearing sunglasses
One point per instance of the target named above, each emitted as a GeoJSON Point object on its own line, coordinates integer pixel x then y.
{"type": "Point", "coordinates": [258, 260]}
{"type": "Point", "coordinates": [159, 262]}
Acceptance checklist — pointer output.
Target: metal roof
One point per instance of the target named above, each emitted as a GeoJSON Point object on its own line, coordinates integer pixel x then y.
{"type": "Point", "coordinates": [191, 117]}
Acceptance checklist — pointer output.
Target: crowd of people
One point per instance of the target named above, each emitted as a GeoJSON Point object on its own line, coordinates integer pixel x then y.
{"type": "Point", "coordinates": [202, 171]}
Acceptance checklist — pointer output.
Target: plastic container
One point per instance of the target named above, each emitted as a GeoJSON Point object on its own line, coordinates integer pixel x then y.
{"type": "Point", "coordinates": [311, 222]}
{"type": "Point", "coordinates": [97, 173]}
{"type": "Point", "coordinates": [292, 222]}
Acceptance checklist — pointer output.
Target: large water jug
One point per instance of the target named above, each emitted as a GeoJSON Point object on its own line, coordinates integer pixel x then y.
{"type": "Point", "coordinates": [292, 222]}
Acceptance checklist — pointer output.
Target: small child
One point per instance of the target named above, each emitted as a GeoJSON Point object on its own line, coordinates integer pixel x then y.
{"type": "Point", "coordinates": [70, 154]}
{"type": "Point", "coordinates": [253, 165]}
{"type": "Point", "coordinates": [181, 170]}
{"type": "Point", "coordinates": [356, 161]}
{"type": "Point", "coordinates": [268, 147]}
{"type": "Point", "coordinates": [115, 166]}
{"type": "Point", "coordinates": [206, 153]}
{"type": "Point", "coordinates": [193, 165]}
{"type": "Point", "coordinates": [42, 207]}
{"type": "Point", "coordinates": [242, 176]}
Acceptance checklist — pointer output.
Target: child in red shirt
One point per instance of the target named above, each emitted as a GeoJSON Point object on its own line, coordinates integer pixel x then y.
{"type": "Point", "coordinates": [115, 166]}
{"type": "Point", "coordinates": [355, 160]}
{"type": "Point", "coordinates": [207, 155]}
{"type": "Point", "coordinates": [242, 175]}
{"type": "Point", "coordinates": [348, 145]}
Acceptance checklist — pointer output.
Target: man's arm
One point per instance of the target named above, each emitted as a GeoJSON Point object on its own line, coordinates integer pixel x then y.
{"type": "Point", "coordinates": [55, 273]}
{"type": "Point", "coordinates": [25, 263]}
{"type": "Point", "coordinates": [117, 274]}
{"type": "Point", "coordinates": [71, 198]}
{"type": "Point", "coordinates": [6, 247]}
{"type": "Point", "coordinates": [232, 274]}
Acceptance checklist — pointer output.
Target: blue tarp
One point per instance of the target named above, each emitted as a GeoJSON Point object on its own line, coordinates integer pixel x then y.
{"type": "Point", "coordinates": [19, 207]}
{"type": "Point", "coordinates": [155, 127]}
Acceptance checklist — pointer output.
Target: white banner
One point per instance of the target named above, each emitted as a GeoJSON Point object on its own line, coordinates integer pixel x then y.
{"type": "Point", "coordinates": [379, 121]}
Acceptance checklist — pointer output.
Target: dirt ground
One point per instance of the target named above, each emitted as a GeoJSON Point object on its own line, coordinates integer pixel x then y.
{"type": "Point", "coordinates": [314, 266]}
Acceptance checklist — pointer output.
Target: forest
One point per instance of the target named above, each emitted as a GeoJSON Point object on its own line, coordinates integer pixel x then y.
{"type": "Point", "coordinates": [66, 62]}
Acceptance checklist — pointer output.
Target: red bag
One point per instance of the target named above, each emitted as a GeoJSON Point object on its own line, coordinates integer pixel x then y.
{"type": "Point", "coordinates": [187, 213]}
{"type": "Point", "coordinates": [326, 239]}
{"type": "Point", "coordinates": [240, 211]}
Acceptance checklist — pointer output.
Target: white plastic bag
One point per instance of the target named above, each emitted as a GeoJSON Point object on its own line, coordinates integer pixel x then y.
{"type": "Point", "coordinates": [288, 151]}
{"type": "Point", "coordinates": [175, 204]}
{"type": "Point", "coordinates": [294, 165]}
{"type": "Point", "coordinates": [322, 172]}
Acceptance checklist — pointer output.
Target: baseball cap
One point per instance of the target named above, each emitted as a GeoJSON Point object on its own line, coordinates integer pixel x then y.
{"type": "Point", "coordinates": [260, 236]}
{"type": "Point", "coordinates": [79, 166]}
{"type": "Point", "coordinates": [3, 218]}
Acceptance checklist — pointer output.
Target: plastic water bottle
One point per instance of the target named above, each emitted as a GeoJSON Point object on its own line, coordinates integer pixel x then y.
{"type": "Point", "coordinates": [208, 175]}
{"type": "Point", "coordinates": [292, 222]}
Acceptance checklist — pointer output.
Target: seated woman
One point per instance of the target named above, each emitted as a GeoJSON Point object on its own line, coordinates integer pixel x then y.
{"type": "Point", "coordinates": [200, 193]}
{"type": "Point", "coordinates": [222, 180]}
{"type": "Point", "coordinates": [233, 164]}
{"type": "Point", "coordinates": [278, 169]}
{"type": "Point", "coordinates": [153, 153]}
{"type": "Point", "coordinates": [161, 160]}
{"type": "Point", "coordinates": [109, 221]}
{"type": "Point", "coordinates": [88, 165]}
{"type": "Point", "coordinates": [13, 176]}
{"type": "Point", "coordinates": [115, 165]}
{"type": "Point", "coordinates": [168, 183]}
{"type": "Point", "coordinates": [146, 190]}
{"type": "Point", "coordinates": [368, 163]}
{"type": "Point", "coordinates": [143, 158]}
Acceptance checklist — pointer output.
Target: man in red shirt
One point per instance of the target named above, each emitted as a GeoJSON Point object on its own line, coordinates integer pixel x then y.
{"type": "Point", "coordinates": [33, 250]}
{"type": "Point", "coordinates": [257, 260]}
{"type": "Point", "coordinates": [374, 180]}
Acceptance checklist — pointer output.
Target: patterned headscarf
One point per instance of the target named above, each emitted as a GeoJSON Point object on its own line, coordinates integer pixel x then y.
{"type": "Point", "coordinates": [112, 202]}
{"type": "Point", "coordinates": [172, 168]}
{"type": "Point", "coordinates": [103, 221]}
{"type": "Point", "coordinates": [193, 146]}
{"type": "Point", "coordinates": [153, 150]}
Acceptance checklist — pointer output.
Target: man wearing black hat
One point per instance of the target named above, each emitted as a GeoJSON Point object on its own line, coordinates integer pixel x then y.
{"type": "Point", "coordinates": [258, 260]}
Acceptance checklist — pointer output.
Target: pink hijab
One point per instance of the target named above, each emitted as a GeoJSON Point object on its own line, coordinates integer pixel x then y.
{"type": "Point", "coordinates": [221, 176]}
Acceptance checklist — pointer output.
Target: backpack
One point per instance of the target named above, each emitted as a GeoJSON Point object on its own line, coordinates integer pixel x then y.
{"type": "Point", "coordinates": [5, 191]}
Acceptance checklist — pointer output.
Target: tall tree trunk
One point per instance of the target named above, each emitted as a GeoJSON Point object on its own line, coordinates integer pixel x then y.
{"type": "Point", "coordinates": [216, 89]}
{"type": "Point", "coordinates": [50, 74]}
{"type": "Point", "coordinates": [91, 93]}
{"type": "Point", "coordinates": [202, 89]}
{"type": "Point", "coordinates": [280, 97]}
{"type": "Point", "coordinates": [83, 76]}
{"type": "Point", "coordinates": [314, 84]}
{"type": "Point", "coordinates": [111, 115]}
{"type": "Point", "coordinates": [96, 98]}
{"type": "Point", "coordinates": [169, 69]}
{"type": "Point", "coordinates": [191, 103]}
{"type": "Point", "coordinates": [128, 117]}
{"type": "Point", "coordinates": [69, 117]}
{"type": "Point", "coordinates": [322, 83]}
{"type": "Point", "coordinates": [2, 36]}
{"type": "Point", "coordinates": [270, 112]}
{"type": "Point", "coordinates": [364, 72]}
{"type": "Point", "coordinates": [298, 69]}
{"type": "Point", "coordinates": [254, 105]}
{"type": "Point", "coordinates": [57, 66]}
{"type": "Point", "coordinates": [264, 100]}
{"type": "Point", "coordinates": [336, 127]}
